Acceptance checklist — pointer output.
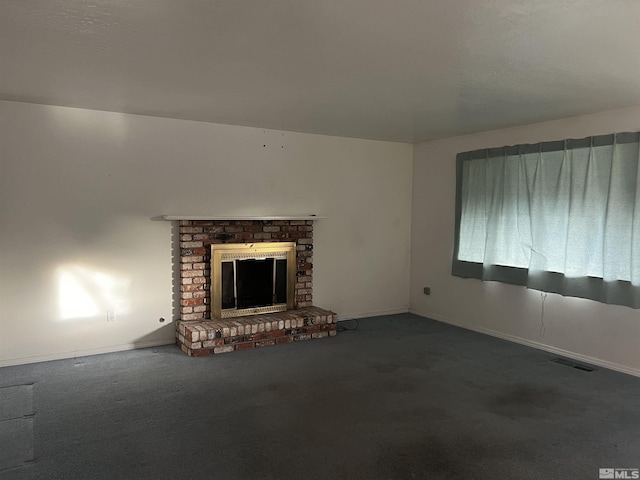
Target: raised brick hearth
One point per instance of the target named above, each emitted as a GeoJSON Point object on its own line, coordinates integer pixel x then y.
{"type": "Point", "coordinates": [199, 338]}
{"type": "Point", "coordinates": [199, 334]}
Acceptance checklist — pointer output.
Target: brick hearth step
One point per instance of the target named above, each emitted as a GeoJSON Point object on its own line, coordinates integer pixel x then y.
{"type": "Point", "coordinates": [205, 337]}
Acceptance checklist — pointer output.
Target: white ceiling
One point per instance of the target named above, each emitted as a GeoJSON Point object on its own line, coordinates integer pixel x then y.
{"type": "Point", "coordinates": [400, 70]}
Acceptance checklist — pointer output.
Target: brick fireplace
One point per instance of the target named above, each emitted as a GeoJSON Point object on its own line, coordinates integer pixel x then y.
{"type": "Point", "coordinates": [197, 333]}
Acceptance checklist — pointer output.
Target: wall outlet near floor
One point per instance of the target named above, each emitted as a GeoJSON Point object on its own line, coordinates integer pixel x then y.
{"type": "Point", "coordinates": [427, 290]}
{"type": "Point", "coordinates": [111, 315]}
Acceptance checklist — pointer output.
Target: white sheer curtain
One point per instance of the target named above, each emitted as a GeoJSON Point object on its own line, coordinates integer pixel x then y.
{"type": "Point", "coordinates": [556, 216]}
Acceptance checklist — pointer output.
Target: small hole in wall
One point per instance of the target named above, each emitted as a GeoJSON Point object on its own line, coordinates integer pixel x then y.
{"type": "Point", "coordinates": [161, 320]}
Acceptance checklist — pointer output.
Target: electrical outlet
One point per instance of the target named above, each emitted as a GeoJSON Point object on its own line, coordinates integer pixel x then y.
{"type": "Point", "coordinates": [427, 290]}
{"type": "Point", "coordinates": [111, 315]}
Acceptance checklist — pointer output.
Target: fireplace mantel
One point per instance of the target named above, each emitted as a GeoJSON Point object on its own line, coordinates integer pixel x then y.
{"type": "Point", "coordinates": [242, 217]}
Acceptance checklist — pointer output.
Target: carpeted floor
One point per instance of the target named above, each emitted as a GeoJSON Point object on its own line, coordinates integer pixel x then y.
{"type": "Point", "coordinates": [401, 397]}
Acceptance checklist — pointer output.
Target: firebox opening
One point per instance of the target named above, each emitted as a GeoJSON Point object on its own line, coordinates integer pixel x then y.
{"type": "Point", "coordinates": [254, 283]}
{"type": "Point", "coordinates": [252, 278]}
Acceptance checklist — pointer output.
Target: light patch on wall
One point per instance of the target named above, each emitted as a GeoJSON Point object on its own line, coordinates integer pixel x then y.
{"type": "Point", "coordinates": [110, 125]}
{"type": "Point", "coordinates": [85, 292]}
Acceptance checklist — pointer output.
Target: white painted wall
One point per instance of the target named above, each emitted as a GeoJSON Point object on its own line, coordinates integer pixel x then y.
{"type": "Point", "coordinates": [584, 329]}
{"type": "Point", "coordinates": [81, 190]}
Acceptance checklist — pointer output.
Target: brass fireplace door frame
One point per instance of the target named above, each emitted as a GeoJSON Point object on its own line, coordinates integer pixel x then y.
{"type": "Point", "coordinates": [245, 251]}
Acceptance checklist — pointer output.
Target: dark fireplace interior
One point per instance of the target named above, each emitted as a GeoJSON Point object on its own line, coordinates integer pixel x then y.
{"type": "Point", "coordinates": [254, 283]}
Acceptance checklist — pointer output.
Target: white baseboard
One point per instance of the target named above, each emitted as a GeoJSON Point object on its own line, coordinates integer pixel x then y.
{"type": "Point", "coordinates": [378, 313]}
{"type": "Point", "coordinates": [131, 346]}
{"type": "Point", "coordinates": [511, 338]}
{"type": "Point", "coordinates": [83, 353]}
{"type": "Point", "coordinates": [540, 346]}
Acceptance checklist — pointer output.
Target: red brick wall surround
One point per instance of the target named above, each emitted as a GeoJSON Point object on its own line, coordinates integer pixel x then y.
{"type": "Point", "coordinates": [196, 236]}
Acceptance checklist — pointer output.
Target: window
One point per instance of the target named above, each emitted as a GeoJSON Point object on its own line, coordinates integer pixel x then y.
{"type": "Point", "coordinates": [560, 217]}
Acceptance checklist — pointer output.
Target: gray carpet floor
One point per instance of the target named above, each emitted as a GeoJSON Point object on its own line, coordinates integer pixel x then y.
{"type": "Point", "coordinates": [401, 397]}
